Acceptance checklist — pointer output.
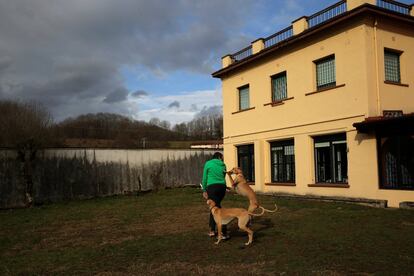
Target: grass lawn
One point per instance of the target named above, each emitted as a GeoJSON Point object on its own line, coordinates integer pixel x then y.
{"type": "Point", "coordinates": [166, 233]}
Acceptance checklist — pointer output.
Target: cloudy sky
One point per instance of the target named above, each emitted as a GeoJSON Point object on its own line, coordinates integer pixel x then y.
{"type": "Point", "coordinates": [139, 58]}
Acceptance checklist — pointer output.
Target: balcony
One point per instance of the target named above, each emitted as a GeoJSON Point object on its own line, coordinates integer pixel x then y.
{"type": "Point", "coordinates": [309, 22]}
{"type": "Point", "coordinates": [395, 6]}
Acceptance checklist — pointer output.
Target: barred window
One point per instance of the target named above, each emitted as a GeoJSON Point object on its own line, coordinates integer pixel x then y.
{"type": "Point", "coordinates": [244, 98]}
{"type": "Point", "coordinates": [279, 87]}
{"type": "Point", "coordinates": [325, 72]}
{"type": "Point", "coordinates": [397, 162]}
{"type": "Point", "coordinates": [282, 156]}
{"type": "Point", "coordinates": [331, 161]}
{"type": "Point", "coordinates": [392, 66]}
{"type": "Point", "coordinates": [245, 158]}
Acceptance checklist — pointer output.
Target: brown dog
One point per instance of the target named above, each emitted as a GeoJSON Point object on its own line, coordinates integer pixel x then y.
{"type": "Point", "coordinates": [241, 214]}
{"type": "Point", "coordinates": [241, 186]}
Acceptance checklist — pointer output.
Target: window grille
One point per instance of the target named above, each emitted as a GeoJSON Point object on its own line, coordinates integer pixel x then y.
{"type": "Point", "coordinates": [244, 98]}
{"type": "Point", "coordinates": [325, 72]}
{"type": "Point", "coordinates": [283, 161]}
{"type": "Point", "coordinates": [392, 66]}
{"type": "Point", "coordinates": [397, 162]}
{"type": "Point", "coordinates": [279, 87]}
{"type": "Point", "coordinates": [245, 158]}
{"type": "Point", "coordinates": [331, 161]}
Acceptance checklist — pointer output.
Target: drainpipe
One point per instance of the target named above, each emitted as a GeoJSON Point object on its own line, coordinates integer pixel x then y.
{"type": "Point", "coordinates": [377, 68]}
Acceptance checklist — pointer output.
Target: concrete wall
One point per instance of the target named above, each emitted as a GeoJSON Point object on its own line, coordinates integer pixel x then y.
{"type": "Point", "coordinates": [68, 174]}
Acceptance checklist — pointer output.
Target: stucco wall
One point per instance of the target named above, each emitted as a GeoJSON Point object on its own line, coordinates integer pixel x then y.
{"type": "Point", "coordinates": [341, 102]}
{"type": "Point", "coordinates": [401, 38]}
{"type": "Point", "coordinates": [359, 50]}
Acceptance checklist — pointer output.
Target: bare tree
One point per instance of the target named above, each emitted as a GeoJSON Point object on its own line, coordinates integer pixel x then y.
{"type": "Point", "coordinates": [154, 121]}
{"type": "Point", "coordinates": [122, 131]}
{"type": "Point", "coordinates": [165, 124]}
{"type": "Point", "coordinates": [181, 128]}
{"type": "Point", "coordinates": [26, 128]}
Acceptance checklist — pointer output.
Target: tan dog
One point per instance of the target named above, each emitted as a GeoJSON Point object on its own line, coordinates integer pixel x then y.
{"type": "Point", "coordinates": [241, 186]}
{"type": "Point", "coordinates": [241, 214]}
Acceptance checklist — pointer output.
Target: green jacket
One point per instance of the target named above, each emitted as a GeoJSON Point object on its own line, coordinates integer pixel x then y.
{"type": "Point", "coordinates": [214, 173]}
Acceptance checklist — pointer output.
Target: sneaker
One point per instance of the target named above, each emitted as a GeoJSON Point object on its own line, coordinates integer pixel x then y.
{"type": "Point", "coordinates": [226, 237]}
{"type": "Point", "coordinates": [211, 234]}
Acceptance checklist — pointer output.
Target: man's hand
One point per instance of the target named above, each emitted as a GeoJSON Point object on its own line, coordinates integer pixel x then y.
{"type": "Point", "coordinates": [205, 195]}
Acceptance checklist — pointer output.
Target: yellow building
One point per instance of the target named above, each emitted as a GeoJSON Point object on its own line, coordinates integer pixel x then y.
{"type": "Point", "coordinates": [325, 107]}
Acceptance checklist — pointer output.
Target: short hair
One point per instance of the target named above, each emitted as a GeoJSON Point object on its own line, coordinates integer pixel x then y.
{"type": "Point", "coordinates": [217, 155]}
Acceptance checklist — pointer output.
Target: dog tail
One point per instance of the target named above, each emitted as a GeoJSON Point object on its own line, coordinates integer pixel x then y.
{"type": "Point", "coordinates": [258, 215]}
{"type": "Point", "coordinates": [270, 211]}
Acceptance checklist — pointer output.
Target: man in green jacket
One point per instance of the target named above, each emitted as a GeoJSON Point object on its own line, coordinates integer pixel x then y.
{"type": "Point", "coordinates": [214, 186]}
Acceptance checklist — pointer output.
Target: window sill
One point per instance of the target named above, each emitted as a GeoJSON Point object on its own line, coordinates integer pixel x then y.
{"type": "Point", "coordinates": [325, 89]}
{"type": "Point", "coordinates": [243, 110]}
{"type": "Point", "coordinates": [396, 83]}
{"type": "Point", "coordinates": [278, 102]}
{"type": "Point", "coordinates": [280, 184]}
{"type": "Point", "coordinates": [330, 185]}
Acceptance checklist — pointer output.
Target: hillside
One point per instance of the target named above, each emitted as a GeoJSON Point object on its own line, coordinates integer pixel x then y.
{"type": "Point", "coordinates": [114, 131]}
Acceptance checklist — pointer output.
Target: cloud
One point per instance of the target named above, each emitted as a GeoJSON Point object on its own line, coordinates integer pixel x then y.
{"type": "Point", "coordinates": [5, 62]}
{"type": "Point", "coordinates": [215, 110]}
{"type": "Point", "coordinates": [139, 94]}
{"type": "Point", "coordinates": [70, 52]}
{"type": "Point", "coordinates": [69, 55]}
{"type": "Point", "coordinates": [157, 106]}
{"type": "Point", "coordinates": [194, 107]}
{"type": "Point", "coordinates": [175, 104]}
{"type": "Point", "coordinates": [119, 95]}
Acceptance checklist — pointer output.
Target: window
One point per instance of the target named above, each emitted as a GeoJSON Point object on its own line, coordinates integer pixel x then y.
{"type": "Point", "coordinates": [331, 162]}
{"type": "Point", "coordinates": [392, 66]}
{"type": "Point", "coordinates": [279, 87]}
{"type": "Point", "coordinates": [245, 156]}
{"type": "Point", "coordinates": [244, 98]}
{"type": "Point", "coordinates": [325, 72]}
{"type": "Point", "coordinates": [397, 162]}
{"type": "Point", "coordinates": [282, 158]}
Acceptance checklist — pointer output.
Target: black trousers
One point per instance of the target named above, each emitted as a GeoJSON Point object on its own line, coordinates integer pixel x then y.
{"type": "Point", "coordinates": [216, 192]}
